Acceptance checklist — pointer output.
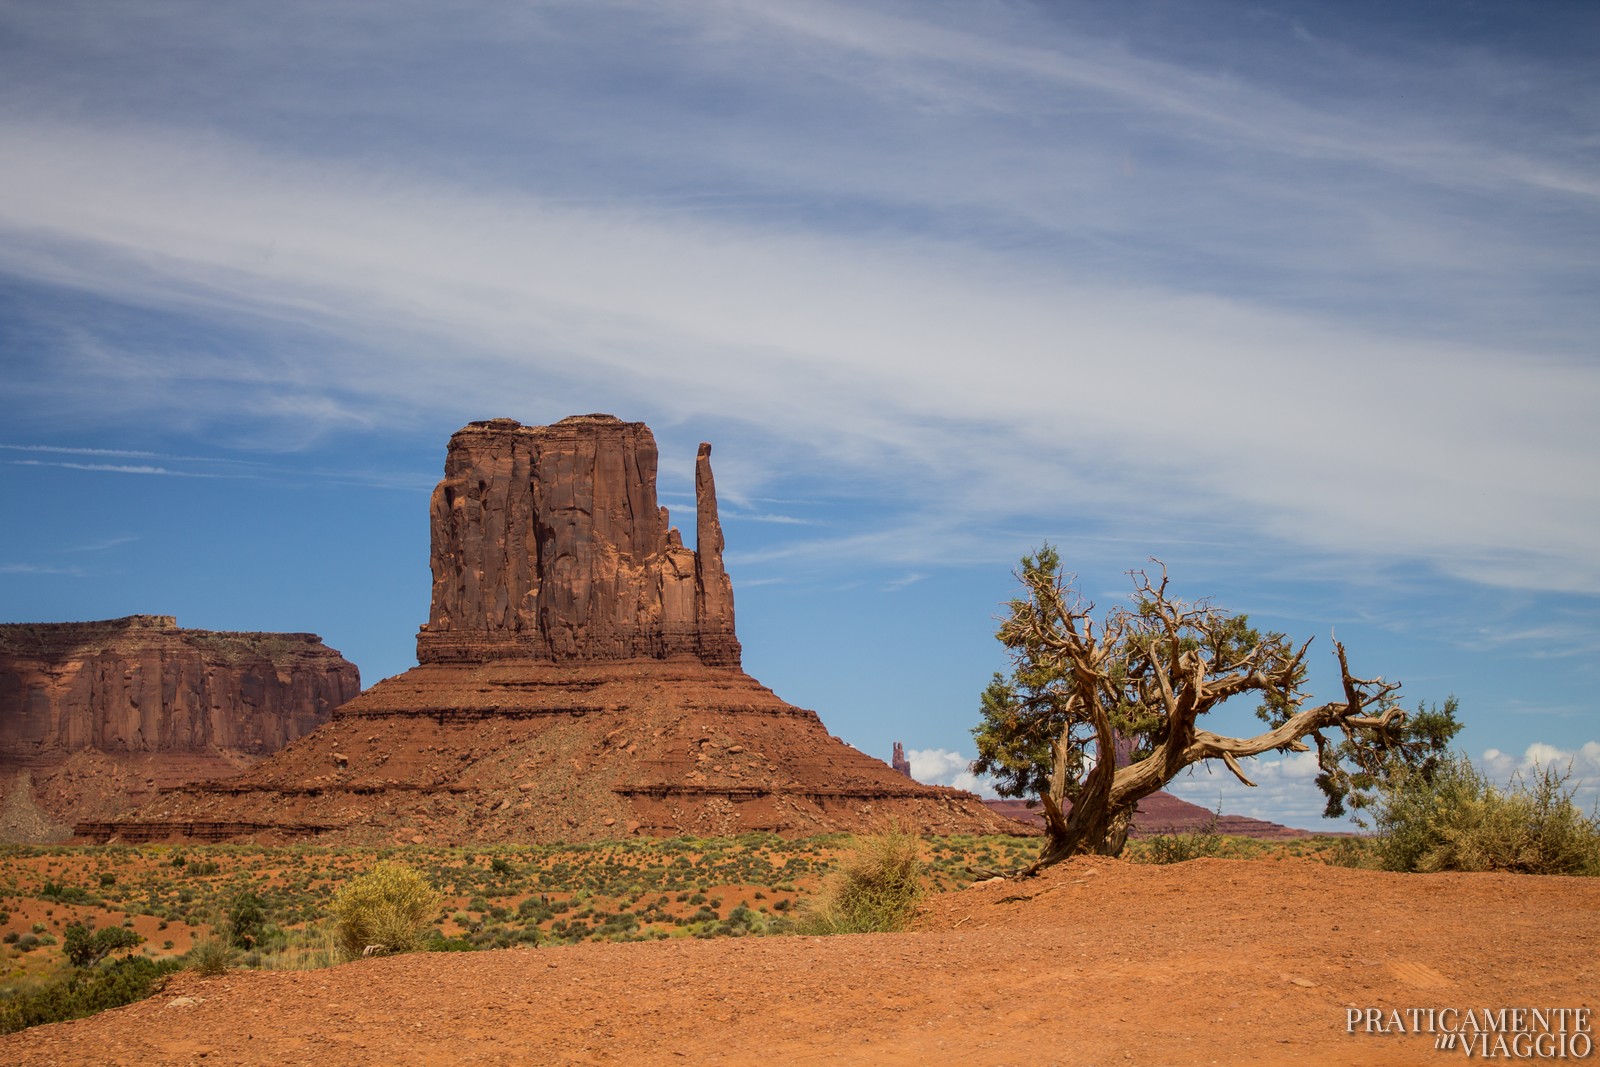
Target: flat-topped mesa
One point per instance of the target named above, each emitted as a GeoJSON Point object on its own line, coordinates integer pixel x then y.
{"type": "Point", "coordinates": [141, 684]}
{"type": "Point", "coordinates": [549, 544]}
{"type": "Point", "coordinates": [96, 717]}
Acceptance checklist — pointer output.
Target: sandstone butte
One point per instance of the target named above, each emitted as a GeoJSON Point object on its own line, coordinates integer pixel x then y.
{"type": "Point", "coordinates": [96, 716]}
{"type": "Point", "coordinates": [578, 679]}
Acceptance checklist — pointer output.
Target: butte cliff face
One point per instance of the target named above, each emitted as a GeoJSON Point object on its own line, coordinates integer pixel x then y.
{"type": "Point", "coordinates": [549, 545]}
{"type": "Point", "coordinates": [96, 714]}
{"type": "Point", "coordinates": [578, 678]}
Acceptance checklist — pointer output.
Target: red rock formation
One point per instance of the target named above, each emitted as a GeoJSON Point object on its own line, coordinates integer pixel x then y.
{"type": "Point", "coordinates": [900, 764]}
{"type": "Point", "coordinates": [548, 544]}
{"type": "Point", "coordinates": [579, 679]}
{"type": "Point", "coordinates": [93, 711]}
{"type": "Point", "coordinates": [513, 751]}
{"type": "Point", "coordinates": [713, 590]}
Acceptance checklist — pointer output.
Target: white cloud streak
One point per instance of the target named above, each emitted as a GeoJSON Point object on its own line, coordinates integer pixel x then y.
{"type": "Point", "coordinates": [121, 468]}
{"type": "Point", "coordinates": [63, 450]}
{"type": "Point", "coordinates": [42, 569]}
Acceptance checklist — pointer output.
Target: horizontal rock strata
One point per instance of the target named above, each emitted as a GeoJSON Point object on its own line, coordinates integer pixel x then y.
{"type": "Point", "coordinates": [508, 751]}
{"type": "Point", "coordinates": [97, 715]}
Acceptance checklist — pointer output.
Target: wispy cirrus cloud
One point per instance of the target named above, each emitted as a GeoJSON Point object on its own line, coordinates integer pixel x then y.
{"type": "Point", "coordinates": [122, 468]}
{"type": "Point", "coordinates": [889, 385]}
{"type": "Point", "coordinates": [42, 569]}
{"type": "Point", "coordinates": [71, 451]}
{"type": "Point", "coordinates": [104, 543]}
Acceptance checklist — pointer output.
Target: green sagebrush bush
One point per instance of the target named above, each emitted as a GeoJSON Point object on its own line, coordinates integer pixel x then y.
{"type": "Point", "coordinates": [389, 906]}
{"type": "Point", "coordinates": [84, 992]}
{"type": "Point", "coordinates": [1455, 819]}
{"type": "Point", "coordinates": [875, 889]}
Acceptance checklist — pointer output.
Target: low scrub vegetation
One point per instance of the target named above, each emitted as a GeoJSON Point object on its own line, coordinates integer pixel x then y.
{"type": "Point", "coordinates": [875, 889]}
{"type": "Point", "coordinates": [84, 992]}
{"type": "Point", "coordinates": [386, 910]}
{"type": "Point", "coordinates": [1455, 819]}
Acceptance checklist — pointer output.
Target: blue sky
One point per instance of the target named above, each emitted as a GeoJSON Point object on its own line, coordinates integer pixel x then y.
{"type": "Point", "coordinates": [1299, 298]}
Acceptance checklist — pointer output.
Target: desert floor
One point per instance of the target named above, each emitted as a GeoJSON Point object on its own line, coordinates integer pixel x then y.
{"type": "Point", "coordinates": [1096, 962]}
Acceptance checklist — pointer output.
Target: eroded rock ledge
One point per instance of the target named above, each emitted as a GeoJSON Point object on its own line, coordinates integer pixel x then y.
{"type": "Point", "coordinates": [97, 715]}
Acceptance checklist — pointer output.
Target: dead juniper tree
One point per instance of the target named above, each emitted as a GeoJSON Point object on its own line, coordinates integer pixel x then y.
{"type": "Point", "coordinates": [1095, 717]}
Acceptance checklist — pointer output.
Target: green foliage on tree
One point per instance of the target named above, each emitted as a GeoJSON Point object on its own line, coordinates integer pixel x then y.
{"type": "Point", "coordinates": [247, 920]}
{"type": "Point", "coordinates": [1428, 731]}
{"type": "Point", "coordinates": [85, 948]}
{"type": "Point", "coordinates": [1100, 712]}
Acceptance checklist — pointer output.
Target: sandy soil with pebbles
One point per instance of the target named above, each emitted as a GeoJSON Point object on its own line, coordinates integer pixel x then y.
{"type": "Point", "coordinates": [1096, 962]}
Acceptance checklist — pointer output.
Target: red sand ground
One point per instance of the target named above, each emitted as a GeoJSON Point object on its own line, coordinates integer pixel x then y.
{"type": "Point", "coordinates": [1096, 962]}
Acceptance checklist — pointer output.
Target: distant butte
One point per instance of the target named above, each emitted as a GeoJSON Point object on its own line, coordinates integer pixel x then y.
{"type": "Point", "coordinates": [95, 716]}
{"type": "Point", "coordinates": [578, 678]}
{"type": "Point", "coordinates": [1163, 813]}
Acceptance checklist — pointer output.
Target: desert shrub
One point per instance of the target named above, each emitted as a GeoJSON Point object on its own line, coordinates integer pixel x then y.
{"type": "Point", "coordinates": [534, 910]}
{"type": "Point", "coordinates": [84, 992]}
{"type": "Point", "coordinates": [1455, 819]}
{"type": "Point", "coordinates": [247, 920]}
{"type": "Point", "coordinates": [437, 942]}
{"type": "Point", "coordinates": [875, 889]}
{"type": "Point", "coordinates": [211, 956]}
{"type": "Point", "coordinates": [389, 906]}
{"type": "Point", "coordinates": [1180, 848]}
{"type": "Point", "coordinates": [67, 894]}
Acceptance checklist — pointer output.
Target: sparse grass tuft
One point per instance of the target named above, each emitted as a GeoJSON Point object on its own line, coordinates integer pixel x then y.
{"type": "Point", "coordinates": [212, 956]}
{"type": "Point", "coordinates": [875, 889]}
